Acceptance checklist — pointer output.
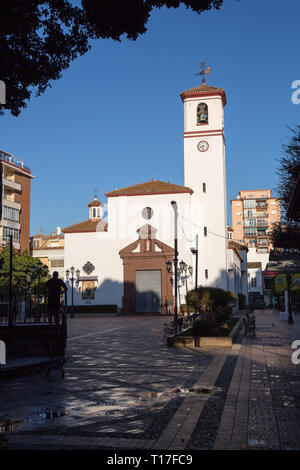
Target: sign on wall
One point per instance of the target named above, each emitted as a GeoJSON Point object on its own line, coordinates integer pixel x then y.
{"type": "Point", "coordinates": [88, 290]}
{"type": "Point", "coordinates": [280, 282]}
{"type": "Point", "coordinates": [295, 284]}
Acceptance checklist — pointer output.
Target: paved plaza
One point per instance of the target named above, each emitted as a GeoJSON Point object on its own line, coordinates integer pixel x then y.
{"type": "Point", "coordinates": [125, 389]}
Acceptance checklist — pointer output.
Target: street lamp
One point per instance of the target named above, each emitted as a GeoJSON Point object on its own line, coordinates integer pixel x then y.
{"type": "Point", "coordinates": [72, 279]}
{"type": "Point", "coordinates": [195, 252]}
{"type": "Point", "coordinates": [186, 272]}
{"type": "Point", "coordinates": [288, 280]}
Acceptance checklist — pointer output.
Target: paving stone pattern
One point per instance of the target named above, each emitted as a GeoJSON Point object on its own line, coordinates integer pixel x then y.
{"type": "Point", "coordinates": [125, 389]}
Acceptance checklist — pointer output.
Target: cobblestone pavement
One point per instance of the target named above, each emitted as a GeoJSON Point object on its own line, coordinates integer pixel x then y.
{"type": "Point", "coordinates": [124, 388]}
{"type": "Point", "coordinates": [120, 382]}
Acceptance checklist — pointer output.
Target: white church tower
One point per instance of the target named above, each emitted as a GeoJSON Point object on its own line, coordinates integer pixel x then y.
{"type": "Point", "coordinates": [205, 174]}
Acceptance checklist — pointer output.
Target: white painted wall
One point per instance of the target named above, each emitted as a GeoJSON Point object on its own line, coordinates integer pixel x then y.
{"type": "Point", "coordinates": [253, 256]}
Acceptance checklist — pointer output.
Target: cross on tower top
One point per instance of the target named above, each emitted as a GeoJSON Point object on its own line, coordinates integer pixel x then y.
{"type": "Point", "coordinates": [203, 71]}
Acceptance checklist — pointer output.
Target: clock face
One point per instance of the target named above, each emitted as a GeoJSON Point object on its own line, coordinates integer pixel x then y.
{"type": "Point", "coordinates": [202, 146]}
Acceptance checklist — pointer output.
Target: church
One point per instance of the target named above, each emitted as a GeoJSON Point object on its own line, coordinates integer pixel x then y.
{"type": "Point", "coordinates": [127, 260]}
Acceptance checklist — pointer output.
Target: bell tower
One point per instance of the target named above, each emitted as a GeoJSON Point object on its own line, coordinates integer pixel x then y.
{"type": "Point", "coordinates": [205, 174]}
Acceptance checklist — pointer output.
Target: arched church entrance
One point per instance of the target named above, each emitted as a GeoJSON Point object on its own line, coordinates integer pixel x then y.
{"type": "Point", "coordinates": [147, 284]}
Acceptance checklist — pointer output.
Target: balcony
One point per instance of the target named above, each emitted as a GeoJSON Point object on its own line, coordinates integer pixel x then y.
{"type": "Point", "coordinates": [261, 205]}
{"type": "Point", "coordinates": [9, 202]}
{"type": "Point", "coordinates": [11, 184]}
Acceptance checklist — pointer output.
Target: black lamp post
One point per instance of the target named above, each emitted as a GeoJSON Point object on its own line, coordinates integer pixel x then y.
{"type": "Point", "coordinates": [288, 280]}
{"type": "Point", "coordinates": [175, 209]}
{"type": "Point", "coordinates": [72, 279]}
{"type": "Point", "coordinates": [195, 252]}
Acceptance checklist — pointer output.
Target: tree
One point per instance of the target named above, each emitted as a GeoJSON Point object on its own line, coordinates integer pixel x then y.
{"type": "Point", "coordinates": [288, 172]}
{"type": "Point", "coordinates": [25, 269]}
{"type": "Point", "coordinates": [40, 38]}
{"type": "Point", "coordinates": [289, 169]}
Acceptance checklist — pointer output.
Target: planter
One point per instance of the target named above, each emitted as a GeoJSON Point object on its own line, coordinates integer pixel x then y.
{"type": "Point", "coordinates": [205, 341]}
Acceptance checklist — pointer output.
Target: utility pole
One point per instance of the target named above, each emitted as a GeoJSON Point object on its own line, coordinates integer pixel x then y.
{"type": "Point", "coordinates": [174, 205]}
{"type": "Point", "coordinates": [195, 252]}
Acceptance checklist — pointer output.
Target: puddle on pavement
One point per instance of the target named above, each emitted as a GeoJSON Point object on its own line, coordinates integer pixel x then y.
{"type": "Point", "coordinates": [9, 424]}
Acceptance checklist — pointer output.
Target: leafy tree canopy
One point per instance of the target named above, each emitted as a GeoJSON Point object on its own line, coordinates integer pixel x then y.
{"type": "Point", "coordinates": [40, 38]}
{"type": "Point", "coordinates": [25, 269]}
{"type": "Point", "coordinates": [289, 169]}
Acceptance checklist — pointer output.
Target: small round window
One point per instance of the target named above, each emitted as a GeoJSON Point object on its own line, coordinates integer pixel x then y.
{"type": "Point", "coordinates": [147, 213]}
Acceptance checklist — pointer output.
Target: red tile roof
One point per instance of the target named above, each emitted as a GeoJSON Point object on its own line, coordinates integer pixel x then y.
{"type": "Point", "coordinates": [95, 203]}
{"type": "Point", "coordinates": [204, 90]}
{"type": "Point", "coordinates": [150, 187]}
{"type": "Point", "coordinates": [94, 225]}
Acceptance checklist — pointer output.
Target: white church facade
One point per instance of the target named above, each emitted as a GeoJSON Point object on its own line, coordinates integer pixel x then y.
{"type": "Point", "coordinates": [122, 260]}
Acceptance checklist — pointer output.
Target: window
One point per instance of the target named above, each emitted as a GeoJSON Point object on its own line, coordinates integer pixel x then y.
{"type": "Point", "coordinates": [240, 241]}
{"type": "Point", "coordinates": [237, 203]}
{"type": "Point", "coordinates": [250, 231]}
{"type": "Point", "coordinates": [57, 263]}
{"type": "Point", "coordinates": [204, 187]}
{"type": "Point", "coordinates": [249, 204]}
{"type": "Point", "coordinates": [205, 231]}
{"type": "Point", "coordinates": [250, 222]}
{"type": "Point", "coordinates": [206, 273]}
{"type": "Point", "coordinates": [147, 213]}
{"type": "Point", "coordinates": [273, 212]}
{"type": "Point", "coordinates": [238, 222]}
{"type": "Point", "coordinates": [252, 242]}
{"type": "Point", "coordinates": [262, 222]}
{"type": "Point", "coordinates": [35, 243]}
{"type": "Point", "coordinates": [262, 250]}
{"type": "Point", "coordinates": [7, 231]}
{"type": "Point", "coordinates": [202, 113]}
{"type": "Point", "coordinates": [250, 213]}
{"type": "Point", "coordinates": [273, 203]}
{"type": "Point", "coordinates": [253, 282]}
{"type": "Point", "coordinates": [10, 214]}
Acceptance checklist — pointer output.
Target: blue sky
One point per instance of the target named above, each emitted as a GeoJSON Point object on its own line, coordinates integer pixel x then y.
{"type": "Point", "coordinates": [116, 117]}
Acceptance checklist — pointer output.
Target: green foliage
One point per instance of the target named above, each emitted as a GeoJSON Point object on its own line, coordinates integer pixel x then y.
{"type": "Point", "coordinates": [25, 270]}
{"type": "Point", "coordinates": [289, 168]}
{"type": "Point", "coordinates": [40, 38]}
{"type": "Point", "coordinates": [183, 308]}
{"type": "Point", "coordinates": [242, 301]}
{"type": "Point", "coordinates": [215, 304]}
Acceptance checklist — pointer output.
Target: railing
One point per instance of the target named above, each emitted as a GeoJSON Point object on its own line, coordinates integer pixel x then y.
{"type": "Point", "coordinates": [183, 323]}
{"type": "Point", "coordinates": [27, 307]}
{"type": "Point", "coordinates": [6, 157]}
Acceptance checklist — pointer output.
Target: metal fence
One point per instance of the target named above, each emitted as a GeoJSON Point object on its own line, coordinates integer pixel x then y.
{"type": "Point", "coordinates": [26, 307]}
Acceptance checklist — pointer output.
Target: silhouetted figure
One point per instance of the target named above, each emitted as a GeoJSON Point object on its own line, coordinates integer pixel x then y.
{"type": "Point", "coordinates": [53, 288]}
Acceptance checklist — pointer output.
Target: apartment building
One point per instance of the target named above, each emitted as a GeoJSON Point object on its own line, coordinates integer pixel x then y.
{"type": "Point", "coordinates": [253, 213]}
{"type": "Point", "coordinates": [50, 250]}
{"type": "Point", "coordinates": [15, 201]}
